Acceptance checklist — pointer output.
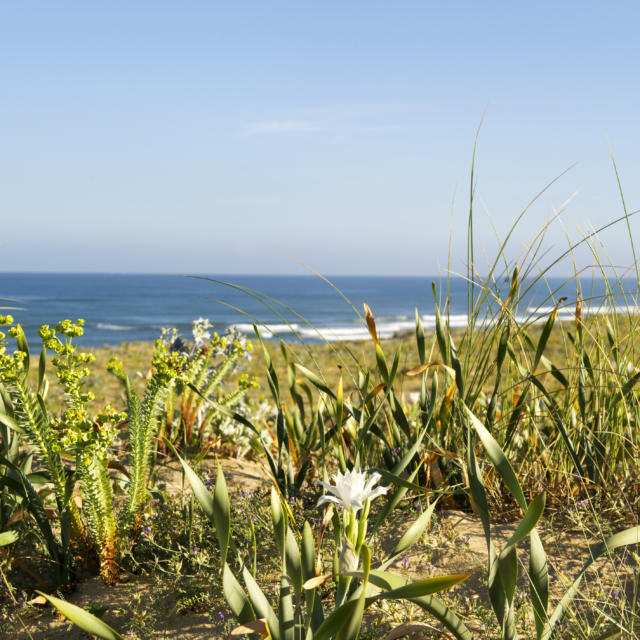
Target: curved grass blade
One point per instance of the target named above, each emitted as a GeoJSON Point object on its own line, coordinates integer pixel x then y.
{"type": "Point", "coordinates": [83, 619]}
{"type": "Point", "coordinates": [412, 535]}
{"type": "Point", "coordinates": [421, 588]}
{"type": "Point", "coordinates": [200, 492]}
{"type": "Point", "coordinates": [499, 460]}
{"type": "Point", "coordinates": [432, 604]}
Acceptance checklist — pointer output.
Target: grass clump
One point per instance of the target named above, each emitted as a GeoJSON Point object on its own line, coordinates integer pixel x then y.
{"type": "Point", "coordinates": [522, 426]}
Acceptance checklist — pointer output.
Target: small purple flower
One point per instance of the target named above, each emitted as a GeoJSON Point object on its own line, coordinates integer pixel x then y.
{"type": "Point", "coordinates": [615, 594]}
{"type": "Point", "coordinates": [582, 503]}
{"type": "Point", "coordinates": [146, 531]}
{"type": "Point", "coordinates": [209, 484]}
{"type": "Point", "coordinates": [428, 565]}
{"type": "Point", "coordinates": [220, 615]}
{"type": "Point", "coordinates": [196, 549]}
{"type": "Point", "coordinates": [405, 562]}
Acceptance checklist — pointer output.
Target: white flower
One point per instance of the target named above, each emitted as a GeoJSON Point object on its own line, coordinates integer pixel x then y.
{"type": "Point", "coordinates": [351, 490]}
{"type": "Point", "coordinates": [200, 334]}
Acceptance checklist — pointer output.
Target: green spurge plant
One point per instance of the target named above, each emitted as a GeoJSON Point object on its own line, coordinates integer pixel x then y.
{"type": "Point", "coordinates": [190, 419]}
{"type": "Point", "coordinates": [144, 417]}
{"type": "Point", "coordinates": [87, 438]}
{"type": "Point", "coordinates": [27, 414]}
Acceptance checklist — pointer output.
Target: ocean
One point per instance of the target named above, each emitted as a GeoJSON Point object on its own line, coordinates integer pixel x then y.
{"type": "Point", "coordinates": [119, 308]}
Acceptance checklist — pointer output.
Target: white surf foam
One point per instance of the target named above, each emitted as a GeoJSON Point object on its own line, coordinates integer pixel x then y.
{"type": "Point", "coordinates": [106, 326]}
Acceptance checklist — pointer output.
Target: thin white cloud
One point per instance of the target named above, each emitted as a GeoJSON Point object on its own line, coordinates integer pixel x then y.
{"type": "Point", "coordinates": [345, 119]}
{"type": "Point", "coordinates": [280, 126]}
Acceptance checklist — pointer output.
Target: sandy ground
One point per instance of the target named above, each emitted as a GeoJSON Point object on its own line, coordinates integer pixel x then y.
{"type": "Point", "coordinates": [458, 547]}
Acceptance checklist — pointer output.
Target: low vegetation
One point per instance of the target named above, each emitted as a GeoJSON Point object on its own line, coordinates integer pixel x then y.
{"type": "Point", "coordinates": [527, 430]}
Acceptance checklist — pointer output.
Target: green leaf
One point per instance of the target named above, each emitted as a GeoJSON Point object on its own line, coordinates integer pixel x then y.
{"type": "Point", "coordinates": [8, 537]}
{"type": "Point", "coordinates": [308, 552]}
{"type": "Point", "coordinates": [278, 521]}
{"type": "Point", "coordinates": [382, 364]}
{"type": "Point", "coordinates": [420, 338]}
{"type": "Point", "coordinates": [508, 568]}
{"type": "Point", "coordinates": [199, 490]}
{"type": "Point", "coordinates": [391, 504]}
{"type": "Point", "coordinates": [397, 480]}
{"type": "Point", "coordinates": [499, 460]}
{"type": "Point", "coordinates": [336, 620]}
{"type": "Point", "coordinates": [315, 380]}
{"type": "Point", "coordinates": [530, 520]}
{"type": "Point", "coordinates": [83, 619]}
{"type": "Point", "coordinates": [432, 604]}
{"type": "Point", "coordinates": [344, 622]}
{"type": "Point", "coordinates": [538, 581]}
{"type": "Point", "coordinates": [420, 588]}
{"type": "Point", "coordinates": [308, 562]}
{"type": "Point", "coordinates": [21, 342]}
{"type": "Point", "coordinates": [260, 604]}
{"type": "Point", "coordinates": [411, 536]}
{"type": "Point", "coordinates": [286, 612]}
{"type": "Point", "coordinates": [354, 622]}
{"type": "Point", "coordinates": [293, 561]}
{"type": "Point", "coordinates": [236, 597]}
{"type": "Point", "coordinates": [9, 422]}
{"type": "Point", "coordinates": [221, 513]}
{"type": "Point", "coordinates": [544, 337]}
{"type": "Point", "coordinates": [508, 560]}
{"type": "Point", "coordinates": [42, 365]}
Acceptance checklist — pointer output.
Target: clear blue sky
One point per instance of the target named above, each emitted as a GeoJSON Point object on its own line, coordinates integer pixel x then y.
{"type": "Point", "coordinates": [233, 137]}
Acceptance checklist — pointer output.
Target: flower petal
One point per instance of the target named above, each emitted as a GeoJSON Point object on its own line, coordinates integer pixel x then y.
{"type": "Point", "coordinates": [325, 499]}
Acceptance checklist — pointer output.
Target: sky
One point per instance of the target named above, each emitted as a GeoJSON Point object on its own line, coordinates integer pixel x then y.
{"type": "Point", "coordinates": [248, 137]}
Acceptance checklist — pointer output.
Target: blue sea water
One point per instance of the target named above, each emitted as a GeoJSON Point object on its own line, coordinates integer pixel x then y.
{"type": "Point", "coordinates": [119, 308]}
